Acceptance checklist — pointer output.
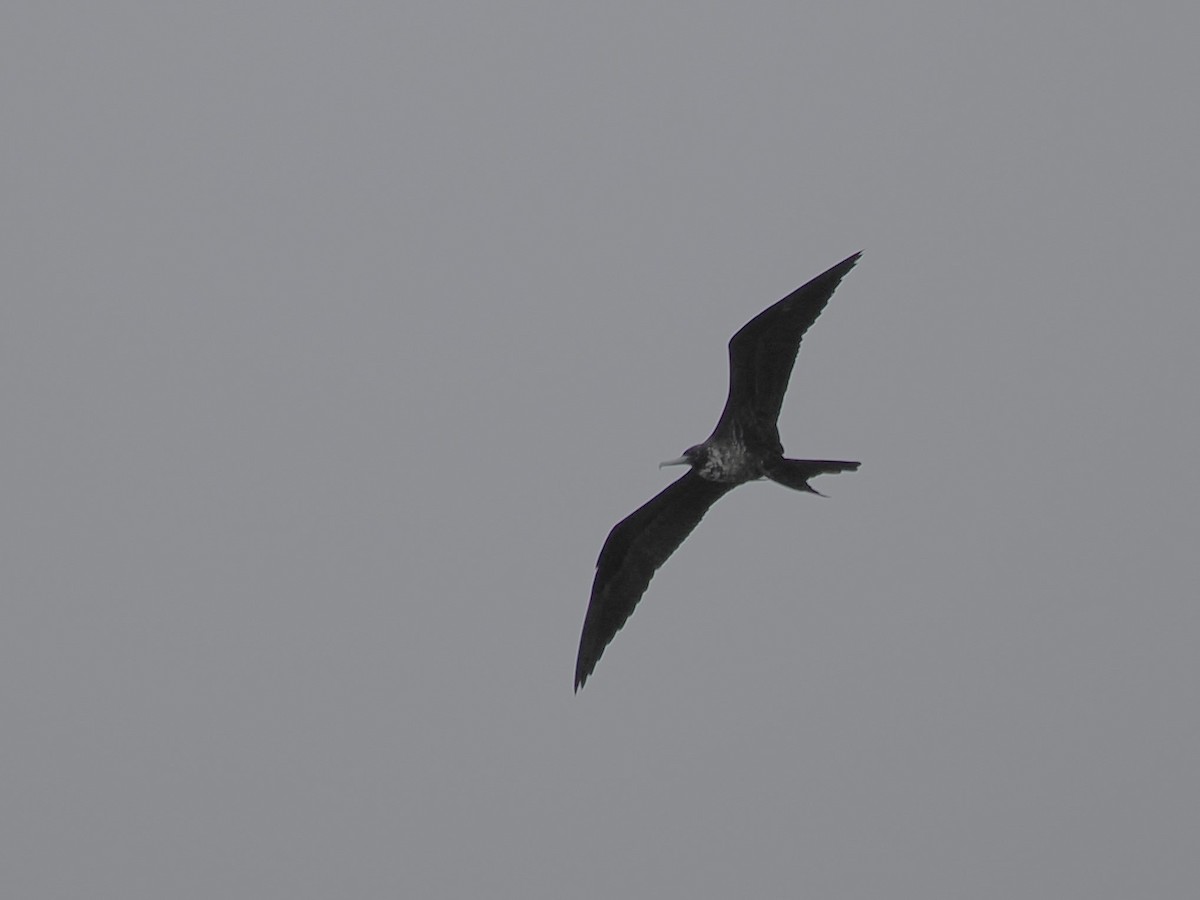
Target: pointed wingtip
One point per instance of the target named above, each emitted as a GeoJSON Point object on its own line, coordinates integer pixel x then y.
{"type": "Point", "coordinates": [583, 669]}
{"type": "Point", "coordinates": [835, 273]}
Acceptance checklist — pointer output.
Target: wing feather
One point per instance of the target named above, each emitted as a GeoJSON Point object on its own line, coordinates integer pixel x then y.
{"type": "Point", "coordinates": [633, 552]}
{"type": "Point", "coordinates": [763, 352]}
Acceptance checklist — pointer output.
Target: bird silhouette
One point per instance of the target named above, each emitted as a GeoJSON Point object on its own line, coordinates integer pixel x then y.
{"type": "Point", "coordinates": [743, 447]}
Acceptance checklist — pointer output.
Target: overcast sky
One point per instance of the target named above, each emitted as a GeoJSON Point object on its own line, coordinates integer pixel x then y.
{"type": "Point", "coordinates": [335, 337]}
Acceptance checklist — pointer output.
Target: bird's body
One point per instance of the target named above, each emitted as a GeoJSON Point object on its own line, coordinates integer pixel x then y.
{"type": "Point", "coordinates": [744, 446]}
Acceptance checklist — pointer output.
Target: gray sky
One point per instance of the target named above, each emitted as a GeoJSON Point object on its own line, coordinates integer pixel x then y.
{"type": "Point", "coordinates": [336, 337]}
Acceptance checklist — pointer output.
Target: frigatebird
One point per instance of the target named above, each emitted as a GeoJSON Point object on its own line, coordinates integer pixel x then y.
{"type": "Point", "coordinates": [743, 447]}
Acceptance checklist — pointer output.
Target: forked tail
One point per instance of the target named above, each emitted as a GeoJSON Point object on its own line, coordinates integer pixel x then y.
{"type": "Point", "coordinates": [794, 473]}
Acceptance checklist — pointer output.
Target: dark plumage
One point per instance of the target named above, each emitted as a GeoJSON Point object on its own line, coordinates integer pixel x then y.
{"type": "Point", "coordinates": [743, 447]}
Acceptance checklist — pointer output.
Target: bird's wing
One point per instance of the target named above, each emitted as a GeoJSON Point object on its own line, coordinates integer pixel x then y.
{"type": "Point", "coordinates": [636, 547]}
{"type": "Point", "coordinates": [762, 353]}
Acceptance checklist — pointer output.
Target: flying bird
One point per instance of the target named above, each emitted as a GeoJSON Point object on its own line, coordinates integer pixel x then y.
{"type": "Point", "coordinates": [743, 447]}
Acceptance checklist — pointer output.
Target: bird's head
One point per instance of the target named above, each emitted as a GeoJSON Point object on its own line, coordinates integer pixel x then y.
{"type": "Point", "coordinates": [692, 456]}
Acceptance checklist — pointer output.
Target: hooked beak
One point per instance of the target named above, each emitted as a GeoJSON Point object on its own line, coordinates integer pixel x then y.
{"type": "Point", "coordinates": [681, 461]}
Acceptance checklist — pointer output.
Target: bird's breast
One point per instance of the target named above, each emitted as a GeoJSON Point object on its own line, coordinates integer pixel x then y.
{"type": "Point", "coordinates": [730, 462]}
